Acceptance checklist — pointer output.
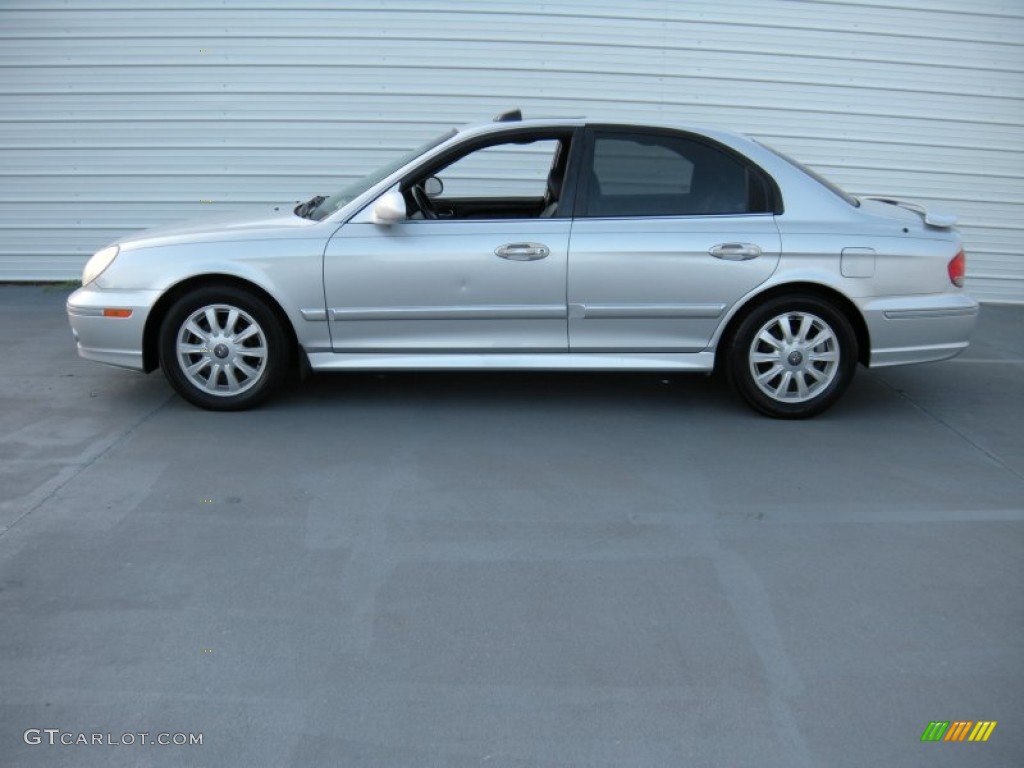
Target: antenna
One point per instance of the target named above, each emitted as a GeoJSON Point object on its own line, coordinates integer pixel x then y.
{"type": "Point", "coordinates": [512, 116]}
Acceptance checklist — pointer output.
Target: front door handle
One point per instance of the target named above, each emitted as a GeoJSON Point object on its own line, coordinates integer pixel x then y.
{"type": "Point", "coordinates": [735, 251]}
{"type": "Point", "coordinates": [522, 251]}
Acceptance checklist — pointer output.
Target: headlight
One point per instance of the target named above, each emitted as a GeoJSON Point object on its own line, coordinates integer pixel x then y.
{"type": "Point", "coordinates": [100, 261]}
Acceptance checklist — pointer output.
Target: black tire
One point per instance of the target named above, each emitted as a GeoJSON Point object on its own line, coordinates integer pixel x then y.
{"type": "Point", "coordinates": [792, 357]}
{"type": "Point", "coordinates": [245, 350]}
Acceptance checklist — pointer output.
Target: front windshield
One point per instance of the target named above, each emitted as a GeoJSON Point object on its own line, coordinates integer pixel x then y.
{"type": "Point", "coordinates": [356, 188]}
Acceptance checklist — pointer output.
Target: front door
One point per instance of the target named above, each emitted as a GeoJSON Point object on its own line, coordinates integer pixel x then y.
{"type": "Point", "coordinates": [478, 267]}
{"type": "Point", "coordinates": [448, 286]}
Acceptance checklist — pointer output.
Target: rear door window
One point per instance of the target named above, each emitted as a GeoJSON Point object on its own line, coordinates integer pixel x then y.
{"type": "Point", "coordinates": [656, 174]}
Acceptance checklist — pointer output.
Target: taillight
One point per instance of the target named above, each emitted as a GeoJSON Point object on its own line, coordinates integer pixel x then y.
{"type": "Point", "coordinates": [957, 268]}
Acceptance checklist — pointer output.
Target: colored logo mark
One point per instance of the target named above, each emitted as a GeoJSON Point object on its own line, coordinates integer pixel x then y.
{"type": "Point", "coordinates": [959, 730]}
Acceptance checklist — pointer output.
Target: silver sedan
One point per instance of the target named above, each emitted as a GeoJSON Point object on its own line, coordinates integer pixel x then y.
{"type": "Point", "coordinates": [543, 244]}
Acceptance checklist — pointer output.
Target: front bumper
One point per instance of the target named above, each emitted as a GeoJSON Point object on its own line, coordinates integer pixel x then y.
{"type": "Point", "coordinates": [919, 329]}
{"type": "Point", "coordinates": [111, 340]}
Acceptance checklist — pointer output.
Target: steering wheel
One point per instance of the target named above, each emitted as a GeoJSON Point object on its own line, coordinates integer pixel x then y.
{"type": "Point", "coordinates": [423, 201]}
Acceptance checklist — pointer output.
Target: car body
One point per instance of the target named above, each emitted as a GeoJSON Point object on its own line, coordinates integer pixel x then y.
{"type": "Point", "coordinates": [555, 244]}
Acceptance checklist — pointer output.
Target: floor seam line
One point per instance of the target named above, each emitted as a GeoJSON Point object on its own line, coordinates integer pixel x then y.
{"type": "Point", "coordinates": [938, 419]}
{"type": "Point", "coordinates": [82, 466]}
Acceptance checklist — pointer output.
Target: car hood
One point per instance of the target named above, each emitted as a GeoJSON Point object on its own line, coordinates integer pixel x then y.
{"type": "Point", "coordinates": [256, 223]}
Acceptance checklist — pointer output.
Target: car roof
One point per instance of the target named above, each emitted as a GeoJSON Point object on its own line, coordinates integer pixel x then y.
{"type": "Point", "coordinates": [497, 126]}
{"type": "Point", "coordinates": [566, 122]}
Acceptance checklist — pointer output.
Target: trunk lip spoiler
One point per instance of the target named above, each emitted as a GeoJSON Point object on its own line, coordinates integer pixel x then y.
{"type": "Point", "coordinates": [941, 219]}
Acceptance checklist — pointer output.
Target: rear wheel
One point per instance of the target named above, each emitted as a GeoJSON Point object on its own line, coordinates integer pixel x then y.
{"type": "Point", "coordinates": [792, 357]}
{"type": "Point", "coordinates": [223, 349]}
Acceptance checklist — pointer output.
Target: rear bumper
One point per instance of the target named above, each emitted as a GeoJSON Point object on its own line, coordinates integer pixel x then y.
{"type": "Point", "coordinates": [112, 340]}
{"type": "Point", "coordinates": [918, 329]}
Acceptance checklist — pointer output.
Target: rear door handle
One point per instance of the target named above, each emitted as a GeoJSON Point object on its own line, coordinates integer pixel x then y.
{"type": "Point", "coordinates": [735, 251]}
{"type": "Point", "coordinates": [522, 251]}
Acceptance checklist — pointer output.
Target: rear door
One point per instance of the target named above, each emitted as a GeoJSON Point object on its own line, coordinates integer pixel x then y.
{"type": "Point", "coordinates": [671, 230]}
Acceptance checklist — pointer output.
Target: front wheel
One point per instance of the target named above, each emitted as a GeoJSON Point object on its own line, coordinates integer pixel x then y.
{"type": "Point", "coordinates": [792, 357]}
{"type": "Point", "coordinates": [223, 349]}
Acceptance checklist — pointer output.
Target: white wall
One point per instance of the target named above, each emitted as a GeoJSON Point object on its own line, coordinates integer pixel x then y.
{"type": "Point", "coordinates": [121, 114]}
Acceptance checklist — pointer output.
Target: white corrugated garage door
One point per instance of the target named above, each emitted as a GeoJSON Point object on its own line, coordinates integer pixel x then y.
{"type": "Point", "coordinates": [118, 115]}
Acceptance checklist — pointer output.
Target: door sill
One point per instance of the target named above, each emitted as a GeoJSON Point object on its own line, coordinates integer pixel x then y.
{"type": "Point", "coordinates": [550, 361]}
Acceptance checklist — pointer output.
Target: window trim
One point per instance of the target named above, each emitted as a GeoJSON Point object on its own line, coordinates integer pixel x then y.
{"type": "Point", "coordinates": [582, 192]}
{"type": "Point", "coordinates": [567, 200]}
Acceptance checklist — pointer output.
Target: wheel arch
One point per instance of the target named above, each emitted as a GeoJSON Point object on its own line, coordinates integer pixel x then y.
{"type": "Point", "coordinates": [151, 332]}
{"type": "Point", "coordinates": [827, 293]}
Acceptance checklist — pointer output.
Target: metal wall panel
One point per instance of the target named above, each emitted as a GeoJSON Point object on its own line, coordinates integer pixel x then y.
{"type": "Point", "coordinates": [117, 114]}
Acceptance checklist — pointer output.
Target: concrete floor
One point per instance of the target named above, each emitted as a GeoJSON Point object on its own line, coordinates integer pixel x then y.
{"type": "Point", "coordinates": [509, 570]}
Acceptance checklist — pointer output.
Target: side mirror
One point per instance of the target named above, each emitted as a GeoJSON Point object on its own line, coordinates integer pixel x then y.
{"type": "Point", "coordinates": [389, 208]}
